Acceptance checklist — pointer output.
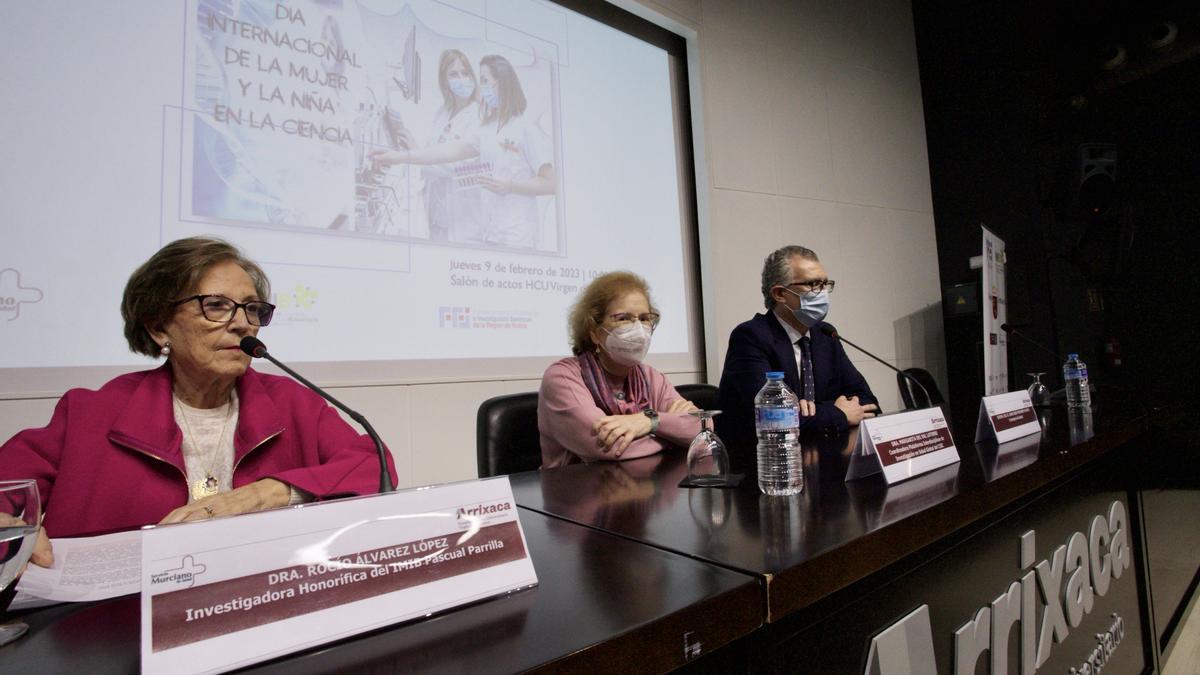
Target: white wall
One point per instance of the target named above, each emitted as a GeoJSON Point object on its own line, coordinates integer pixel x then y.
{"type": "Point", "coordinates": [814, 134]}
{"type": "Point", "coordinates": [810, 131]}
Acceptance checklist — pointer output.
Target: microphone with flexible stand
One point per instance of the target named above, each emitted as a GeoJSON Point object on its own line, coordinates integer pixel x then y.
{"type": "Point", "coordinates": [1058, 395]}
{"type": "Point", "coordinates": [1013, 331]}
{"type": "Point", "coordinates": [832, 332]}
{"type": "Point", "coordinates": [255, 348]}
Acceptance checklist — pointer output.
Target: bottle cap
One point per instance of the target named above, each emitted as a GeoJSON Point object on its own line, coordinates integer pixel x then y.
{"type": "Point", "coordinates": [1072, 356]}
{"type": "Point", "coordinates": [774, 374]}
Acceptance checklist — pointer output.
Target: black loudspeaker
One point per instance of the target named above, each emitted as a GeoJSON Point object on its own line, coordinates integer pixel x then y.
{"type": "Point", "coordinates": [1097, 178]}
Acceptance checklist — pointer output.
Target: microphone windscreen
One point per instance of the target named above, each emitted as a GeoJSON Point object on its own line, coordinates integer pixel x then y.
{"type": "Point", "coordinates": [253, 346]}
{"type": "Point", "coordinates": [829, 330]}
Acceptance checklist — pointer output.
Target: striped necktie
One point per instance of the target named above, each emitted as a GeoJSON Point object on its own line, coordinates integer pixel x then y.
{"type": "Point", "coordinates": [806, 375]}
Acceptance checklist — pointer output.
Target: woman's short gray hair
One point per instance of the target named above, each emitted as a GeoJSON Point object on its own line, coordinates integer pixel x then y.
{"type": "Point", "coordinates": [777, 269]}
{"type": "Point", "coordinates": [153, 289]}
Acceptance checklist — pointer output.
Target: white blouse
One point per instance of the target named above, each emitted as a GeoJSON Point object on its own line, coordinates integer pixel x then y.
{"type": "Point", "coordinates": [208, 445]}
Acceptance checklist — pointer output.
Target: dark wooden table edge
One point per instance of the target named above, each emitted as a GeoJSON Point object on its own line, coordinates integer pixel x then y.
{"type": "Point", "coordinates": [731, 568]}
{"type": "Point", "coordinates": [838, 568]}
{"type": "Point", "coordinates": [631, 651]}
{"type": "Point", "coordinates": [608, 653]}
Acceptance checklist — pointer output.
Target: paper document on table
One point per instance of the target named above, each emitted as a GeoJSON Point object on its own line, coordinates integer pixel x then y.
{"type": "Point", "coordinates": [85, 569]}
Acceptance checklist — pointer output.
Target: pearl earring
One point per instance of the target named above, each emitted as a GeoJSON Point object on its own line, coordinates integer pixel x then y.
{"type": "Point", "coordinates": [166, 349]}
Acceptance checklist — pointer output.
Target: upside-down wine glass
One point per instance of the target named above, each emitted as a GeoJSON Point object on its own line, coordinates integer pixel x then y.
{"type": "Point", "coordinates": [1038, 393]}
{"type": "Point", "coordinates": [707, 459]}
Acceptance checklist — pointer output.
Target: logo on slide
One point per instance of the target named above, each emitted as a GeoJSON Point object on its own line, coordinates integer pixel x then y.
{"type": "Point", "coordinates": [301, 297]}
{"type": "Point", "coordinates": [13, 294]}
{"type": "Point", "coordinates": [454, 317]}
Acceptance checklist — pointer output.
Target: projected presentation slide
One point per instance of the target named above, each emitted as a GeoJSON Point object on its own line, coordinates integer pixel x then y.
{"type": "Point", "coordinates": [422, 180]}
{"type": "Point", "coordinates": [292, 107]}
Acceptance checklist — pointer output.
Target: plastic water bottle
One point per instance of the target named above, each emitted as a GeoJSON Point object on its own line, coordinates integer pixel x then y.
{"type": "Point", "coordinates": [1075, 376]}
{"type": "Point", "coordinates": [777, 421]}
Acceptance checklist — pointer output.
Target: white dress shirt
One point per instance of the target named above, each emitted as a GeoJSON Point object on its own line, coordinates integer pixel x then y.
{"type": "Point", "coordinates": [793, 337]}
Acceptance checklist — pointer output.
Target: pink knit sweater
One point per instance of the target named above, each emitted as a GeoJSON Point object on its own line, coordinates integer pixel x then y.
{"type": "Point", "coordinates": [566, 413]}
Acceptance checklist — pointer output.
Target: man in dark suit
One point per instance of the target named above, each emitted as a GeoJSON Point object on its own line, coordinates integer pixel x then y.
{"type": "Point", "coordinates": [788, 338]}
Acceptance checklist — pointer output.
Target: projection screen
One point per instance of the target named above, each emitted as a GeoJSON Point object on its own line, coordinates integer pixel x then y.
{"type": "Point", "coordinates": [427, 184]}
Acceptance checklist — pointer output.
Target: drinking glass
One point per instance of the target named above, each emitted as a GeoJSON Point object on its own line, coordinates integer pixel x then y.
{"type": "Point", "coordinates": [20, 516]}
{"type": "Point", "coordinates": [707, 459]}
{"type": "Point", "coordinates": [1038, 393]}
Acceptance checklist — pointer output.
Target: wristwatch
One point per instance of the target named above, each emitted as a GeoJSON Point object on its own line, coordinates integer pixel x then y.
{"type": "Point", "coordinates": [653, 415]}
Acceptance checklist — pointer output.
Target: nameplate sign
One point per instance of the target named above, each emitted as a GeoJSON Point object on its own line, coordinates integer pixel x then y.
{"type": "Point", "coordinates": [229, 592]}
{"type": "Point", "coordinates": [902, 445]}
{"type": "Point", "coordinates": [1004, 417]}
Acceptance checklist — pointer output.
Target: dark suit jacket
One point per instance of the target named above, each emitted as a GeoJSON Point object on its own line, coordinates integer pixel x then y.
{"type": "Point", "coordinates": [760, 345]}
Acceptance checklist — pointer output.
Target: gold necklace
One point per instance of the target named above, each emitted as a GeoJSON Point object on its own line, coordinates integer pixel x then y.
{"type": "Point", "coordinates": [207, 486]}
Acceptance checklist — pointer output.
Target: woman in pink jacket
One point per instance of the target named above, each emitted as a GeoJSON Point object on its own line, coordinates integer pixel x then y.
{"type": "Point", "coordinates": [604, 403]}
{"type": "Point", "coordinates": [201, 436]}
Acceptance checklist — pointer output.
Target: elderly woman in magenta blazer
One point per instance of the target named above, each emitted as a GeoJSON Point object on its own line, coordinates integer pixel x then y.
{"type": "Point", "coordinates": [204, 435]}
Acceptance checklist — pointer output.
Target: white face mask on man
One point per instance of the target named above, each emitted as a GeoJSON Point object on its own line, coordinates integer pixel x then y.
{"type": "Point", "coordinates": [628, 344]}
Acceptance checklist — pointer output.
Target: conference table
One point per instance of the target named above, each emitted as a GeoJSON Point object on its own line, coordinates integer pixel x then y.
{"type": "Point", "coordinates": [845, 559]}
{"type": "Point", "coordinates": [804, 548]}
{"type": "Point", "coordinates": [639, 574]}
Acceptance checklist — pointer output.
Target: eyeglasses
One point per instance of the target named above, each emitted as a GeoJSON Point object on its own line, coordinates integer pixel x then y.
{"type": "Point", "coordinates": [649, 319]}
{"type": "Point", "coordinates": [221, 309]}
{"type": "Point", "coordinates": [815, 286]}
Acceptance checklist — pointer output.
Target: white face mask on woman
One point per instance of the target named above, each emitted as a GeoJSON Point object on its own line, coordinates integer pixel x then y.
{"type": "Point", "coordinates": [462, 87]}
{"type": "Point", "coordinates": [628, 345]}
{"type": "Point", "coordinates": [489, 95]}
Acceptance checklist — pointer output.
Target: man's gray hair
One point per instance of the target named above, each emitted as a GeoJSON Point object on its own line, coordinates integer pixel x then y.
{"type": "Point", "coordinates": [777, 269]}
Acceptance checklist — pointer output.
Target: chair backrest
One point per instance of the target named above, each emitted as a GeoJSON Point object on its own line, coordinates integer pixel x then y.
{"type": "Point", "coordinates": [506, 435]}
{"type": "Point", "coordinates": [703, 395]}
{"type": "Point", "coordinates": [912, 395]}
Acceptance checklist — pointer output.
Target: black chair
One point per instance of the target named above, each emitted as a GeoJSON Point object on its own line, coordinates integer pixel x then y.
{"type": "Point", "coordinates": [506, 435]}
{"type": "Point", "coordinates": [912, 395]}
{"type": "Point", "coordinates": [703, 395]}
